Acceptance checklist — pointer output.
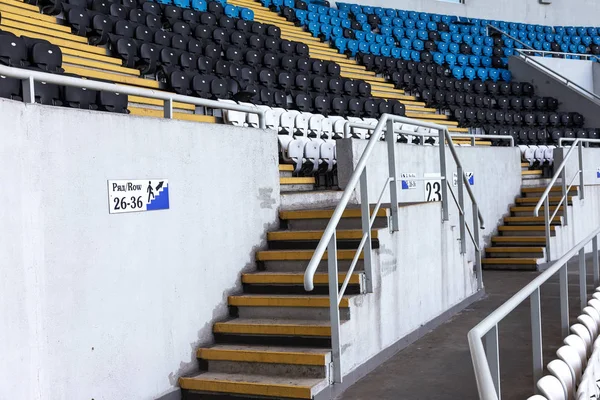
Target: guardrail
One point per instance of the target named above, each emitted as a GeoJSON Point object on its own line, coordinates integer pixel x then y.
{"type": "Point", "coordinates": [560, 54]}
{"type": "Point", "coordinates": [486, 357]}
{"type": "Point", "coordinates": [28, 77]}
{"type": "Point", "coordinates": [328, 242]}
{"type": "Point", "coordinates": [560, 172]}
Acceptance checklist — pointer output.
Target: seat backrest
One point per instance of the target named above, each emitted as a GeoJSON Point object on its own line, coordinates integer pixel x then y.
{"type": "Point", "coordinates": [560, 370]}
{"type": "Point", "coordinates": [551, 387]}
{"type": "Point", "coordinates": [571, 358]}
{"type": "Point", "coordinates": [578, 344]}
{"type": "Point", "coordinates": [583, 332]}
{"type": "Point", "coordinates": [590, 324]}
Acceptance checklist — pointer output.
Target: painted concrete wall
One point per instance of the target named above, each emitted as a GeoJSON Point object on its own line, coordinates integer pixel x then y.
{"type": "Point", "coordinates": [546, 85]}
{"type": "Point", "coordinates": [578, 71]}
{"type": "Point", "coordinates": [99, 306]}
{"type": "Point", "coordinates": [419, 274]}
{"type": "Point", "coordinates": [497, 175]}
{"type": "Point", "coordinates": [560, 12]}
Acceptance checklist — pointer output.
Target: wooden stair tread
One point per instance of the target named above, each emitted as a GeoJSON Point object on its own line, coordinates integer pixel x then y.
{"type": "Point", "coordinates": [325, 214]}
{"type": "Point", "coordinates": [283, 300]}
{"type": "Point", "coordinates": [265, 354]}
{"type": "Point", "coordinates": [301, 255]}
{"type": "Point", "coordinates": [514, 261]}
{"type": "Point", "coordinates": [341, 234]}
{"type": "Point", "coordinates": [297, 180]}
{"type": "Point", "coordinates": [292, 278]}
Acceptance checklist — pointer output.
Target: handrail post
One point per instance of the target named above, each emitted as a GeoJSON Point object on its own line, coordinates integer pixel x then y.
{"type": "Point", "coordinates": [595, 264]}
{"type": "Point", "coordinates": [564, 300]}
{"type": "Point", "coordinates": [461, 204]}
{"type": "Point", "coordinates": [334, 311]}
{"type": "Point", "coordinates": [478, 270]}
{"type": "Point", "coordinates": [582, 279]}
{"type": "Point", "coordinates": [168, 108]}
{"type": "Point", "coordinates": [581, 185]}
{"type": "Point", "coordinates": [547, 226]}
{"type": "Point", "coordinates": [28, 86]}
{"type": "Point", "coordinates": [493, 356]}
{"type": "Point", "coordinates": [442, 144]}
{"type": "Point", "coordinates": [391, 146]}
{"type": "Point", "coordinates": [565, 196]}
{"type": "Point", "coordinates": [365, 216]}
{"type": "Point", "coordinates": [536, 336]}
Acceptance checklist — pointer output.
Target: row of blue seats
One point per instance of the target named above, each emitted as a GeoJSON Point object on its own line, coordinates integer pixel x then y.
{"type": "Point", "coordinates": [201, 5]}
{"type": "Point", "coordinates": [482, 74]}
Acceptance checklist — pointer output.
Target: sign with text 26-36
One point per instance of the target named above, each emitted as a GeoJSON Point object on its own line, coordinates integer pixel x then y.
{"type": "Point", "coordinates": [135, 195]}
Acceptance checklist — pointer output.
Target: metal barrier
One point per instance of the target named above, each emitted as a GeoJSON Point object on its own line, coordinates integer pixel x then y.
{"type": "Point", "coordinates": [560, 171]}
{"type": "Point", "coordinates": [486, 358]}
{"type": "Point", "coordinates": [359, 176]}
{"type": "Point", "coordinates": [28, 77]}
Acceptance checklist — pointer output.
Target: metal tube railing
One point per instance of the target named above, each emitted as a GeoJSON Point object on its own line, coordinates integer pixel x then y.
{"type": "Point", "coordinates": [28, 78]}
{"type": "Point", "coordinates": [385, 126]}
{"type": "Point", "coordinates": [486, 359]}
{"type": "Point", "coordinates": [560, 54]}
{"type": "Point", "coordinates": [560, 171]}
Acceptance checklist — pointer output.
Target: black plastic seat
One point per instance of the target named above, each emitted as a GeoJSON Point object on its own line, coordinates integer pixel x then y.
{"type": "Point", "coordinates": [13, 51]}
{"type": "Point", "coordinates": [76, 97]}
{"type": "Point", "coordinates": [127, 50]}
{"type": "Point", "coordinates": [179, 82]}
{"type": "Point", "coordinates": [79, 21]}
{"type": "Point", "coordinates": [215, 8]}
{"type": "Point", "coordinates": [112, 102]}
{"type": "Point", "coordinates": [148, 58]}
{"type": "Point", "coordinates": [10, 88]}
{"type": "Point", "coordinates": [303, 102]}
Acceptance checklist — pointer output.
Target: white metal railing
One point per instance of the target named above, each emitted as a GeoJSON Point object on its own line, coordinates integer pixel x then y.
{"type": "Point", "coordinates": [486, 357]}
{"type": "Point", "coordinates": [28, 77]}
{"type": "Point", "coordinates": [567, 184]}
{"type": "Point", "coordinates": [328, 242]}
{"type": "Point", "coordinates": [559, 54]}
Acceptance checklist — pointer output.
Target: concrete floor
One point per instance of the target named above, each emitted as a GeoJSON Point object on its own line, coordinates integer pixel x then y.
{"type": "Point", "coordinates": [438, 366]}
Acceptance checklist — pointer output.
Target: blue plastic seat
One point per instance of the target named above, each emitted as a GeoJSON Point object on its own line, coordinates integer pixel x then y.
{"type": "Point", "coordinates": [454, 48]}
{"type": "Point", "coordinates": [199, 5]}
{"type": "Point", "coordinates": [576, 39]}
{"type": "Point", "coordinates": [325, 31]}
{"type": "Point", "coordinates": [405, 54]}
{"type": "Point", "coordinates": [479, 40]}
{"type": "Point", "coordinates": [462, 60]}
{"type": "Point", "coordinates": [436, 18]}
{"type": "Point", "coordinates": [302, 16]}
{"type": "Point", "coordinates": [487, 51]}
{"type": "Point", "coordinates": [432, 26]}
{"type": "Point", "coordinates": [386, 21]}
{"type": "Point", "coordinates": [475, 61]}
{"type": "Point", "coordinates": [385, 31]}
{"type": "Point", "coordinates": [396, 52]}
{"type": "Point", "coordinates": [398, 33]}
{"type": "Point", "coordinates": [494, 74]}
{"type": "Point", "coordinates": [454, 29]}
{"type": "Point", "coordinates": [522, 35]}
{"type": "Point", "coordinates": [335, 21]}
{"type": "Point", "coordinates": [418, 45]}
{"type": "Point", "coordinates": [564, 48]}
{"type": "Point", "coordinates": [423, 35]}
{"type": "Point", "coordinates": [566, 39]}
{"type": "Point", "coordinates": [468, 39]}
{"type": "Point", "coordinates": [581, 49]}
{"type": "Point", "coordinates": [539, 28]}
{"type": "Point", "coordinates": [540, 36]}
{"type": "Point", "coordinates": [470, 73]}
{"type": "Point", "coordinates": [482, 73]}
{"type": "Point", "coordinates": [362, 18]}
{"type": "Point", "coordinates": [457, 38]}
{"type": "Point", "coordinates": [367, 10]}
{"type": "Point", "coordinates": [398, 22]}
{"type": "Point", "coordinates": [403, 14]}
{"type": "Point", "coordinates": [352, 47]}
{"type": "Point", "coordinates": [504, 26]}
{"type": "Point", "coordinates": [164, 2]}
{"type": "Point", "coordinates": [313, 16]}
{"type": "Point", "coordinates": [230, 10]}
{"type": "Point", "coordinates": [246, 14]}
{"type": "Point", "coordinates": [379, 11]}
{"type": "Point", "coordinates": [592, 31]}
{"type": "Point", "coordinates": [386, 50]}
{"type": "Point", "coordinates": [332, 11]}
{"type": "Point", "coordinates": [322, 10]}
{"type": "Point", "coordinates": [343, 14]}
{"type": "Point", "coordinates": [445, 37]}
{"type": "Point", "coordinates": [446, 19]}
{"type": "Point", "coordinates": [312, 7]}
{"type": "Point", "coordinates": [509, 52]}
{"type": "Point", "coordinates": [486, 61]}
{"type": "Point", "coordinates": [586, 40]}
{"type": "Point", "coordinates": [379, 39]}
{"type": "Point", "coordinates": [596, 40]}
{"type": "Point", "coordinates": [415, 56]}
{"type": "Point", "coordinates": [477, 50]}
{"type": "Point", "coordinates": [424, 16]}
{"type": "Point", "coordinates": [537, 45]}
{"type": "Point", "coordinates": [324, 19]}
{"type": "Point", "coordinates": [547, 46]}
{"type": "Point", "coordinates": [465, 29]}
{"type": "Point", "coordinates": [390, 12]}
{"type": "Point", "coordinates": [438, 58]}
{"type": "Point", "coordinates": [514, 34]}
{"type": "Point", "coordinates": [559, 30]}
{"type": "Point", "coordinates": [506, 75]}
{"type": "Point", "coordinates": [363, 47]}
{"type": "Point", "coordinates": [572, 48]}
{"type": "Point", "coordinates": [450, 59]}
{"type": "Point", "coordinates": [548, 29]}
{"type": "Point", "coordinates": [341, 44]}
{"type": "Point", "coordinates": [370, 37]}
{"type": "Point", "coordinates": [360, 36]}
{"type": "Point", "coordinates": [442, 47]}
{"type": "Point", "coordinates": [405, 44]}
{"type": "Point", "coordinates": [411, 34]}
{"type": "Point", "coordinates": [375, 49]}
{"type": "Point", "coordinates": [413, 15]}
{"type": "Point", "coordinates": [314, 28]}
{"type": "Point", "coordinates": [549, 37]}
{"type": "Point", "coordinates": [420, 25]}
{"type": "Point", "coordinates": [571, 31]}
{"type": "Point", "coordinates": [389, 41]}
{"type": "Point", "coordinates": [409, 24]}
{"type": "Point", "coordinates": [458, 72]}
{"type": "Point", "coordinates": [337, 32]}
{"type": "Point", "coordinates": [581, 31]}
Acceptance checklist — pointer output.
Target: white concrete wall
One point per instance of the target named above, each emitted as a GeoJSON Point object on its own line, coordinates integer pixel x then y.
{"type": "Point", "coordinates": [497, 175]}
{"type": "Point", "coordinates": [99, 306]}
{"type": "Point", "coordinates": [578, 71]}
{"type": "Point", "coordinates": [560, 12]}
{"type": "Point", "coordinates": [418, 274]}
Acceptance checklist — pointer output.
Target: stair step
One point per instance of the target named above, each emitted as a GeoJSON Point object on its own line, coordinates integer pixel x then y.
{"type": "Point", "coordinates": [265, 354]}
{"type": "Point", "coordinates": [253, 385]}
{"type": "Point", "coordinates": [20, 4]}
{"type": "Point", "coordinates": [539, 190]}
{"type": "Point", "coordinates": [301, 255]}
{"type": "Point", "coordinates": [297, 181]}
{"type": "Point", "coordinates": [529, 264]}
{"type": "Point", "coordinates": [13, 8]}
{"type": "Point", "coordinates": [156, 113]}
{"type": "Point", "coordinates": [293, 278]}
{"type": "Point", "coordinates": [534, 200]}
{"type": "Point", "coordinates": [19, 15]}
{"type": "Point", "coordinates": [316, 235]}
{"type": "Point", "coordinates": [533, 173]}
{"type": "Point", "coordinates": [274, 300]}
{"type": "Point", "coordinates": [519, 240]}
{"type": "Point", "coordinates": [530, 220]}
{"type": "Point", "coordinates": [515, 252]}
{"type": "Point", "coordinates": [521, 230]}
{"type": "Point", "coordinates": [531, 209]}
{"type": "Point", "coordinates": [274, 327]}
{"type": "Point", "coordinates": [324, 214]}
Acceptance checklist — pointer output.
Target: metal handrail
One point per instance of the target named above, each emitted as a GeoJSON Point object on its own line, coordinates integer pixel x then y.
{"type": "Point", "coordinates": [560, 171]}
{"type": "Point", "coordinates": [561, 54]}
{"type": "Point", "coordinates": [328, 240]}
{"type": "Point", "coordinates": [28, 77]}
{"type": "Point", "coordinates": [562, 140]}
{"type": "Point", "coordinates": [522, 43]}
{"type": "Point", "coordinates": [486, 358]}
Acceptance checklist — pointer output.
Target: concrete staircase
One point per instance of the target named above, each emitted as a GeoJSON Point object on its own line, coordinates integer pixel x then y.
{"type": "Point", "coordinates": [277, 342]}
{"type": "Point", "coordinates": [521, 241]}
{"type": "Point", "coordinates": [91, 62]}
{"type": "Point", "coordinates": [349, 67]}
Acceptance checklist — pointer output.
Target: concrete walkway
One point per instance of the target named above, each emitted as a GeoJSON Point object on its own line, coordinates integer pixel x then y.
{"type": "Point", "coordinates": [439, 367]}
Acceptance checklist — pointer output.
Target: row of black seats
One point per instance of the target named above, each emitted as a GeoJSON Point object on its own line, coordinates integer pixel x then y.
{"type": "Point", "coordinates": [475, 117]}
{"type": "Point", "coordinates": [40, 55]}
{"type": "Point", "coordinates": [443, 99]}
{"type": "Point", "coordinates": [539, 136]}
